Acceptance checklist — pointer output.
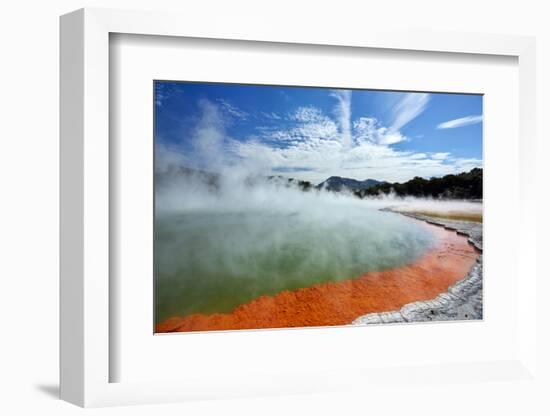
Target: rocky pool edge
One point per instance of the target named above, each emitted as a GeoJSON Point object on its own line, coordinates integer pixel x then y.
{"type": "Point", "coordinates": [462, 301]}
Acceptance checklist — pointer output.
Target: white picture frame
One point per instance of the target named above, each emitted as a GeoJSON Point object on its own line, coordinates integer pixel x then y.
{"type": "Point", "coordinates": [85, 211]}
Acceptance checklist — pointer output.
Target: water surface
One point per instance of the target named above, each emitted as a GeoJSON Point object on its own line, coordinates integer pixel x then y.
{"type": "Point", "coordinates": [209, 261]}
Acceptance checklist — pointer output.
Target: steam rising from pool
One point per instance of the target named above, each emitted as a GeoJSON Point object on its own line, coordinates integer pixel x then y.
{"type": "Point", "coordinates": [223, 241]}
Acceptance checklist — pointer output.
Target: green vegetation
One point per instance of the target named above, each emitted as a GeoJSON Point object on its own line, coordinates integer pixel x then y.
{"type": "Point", "coordinates": [466, 185]}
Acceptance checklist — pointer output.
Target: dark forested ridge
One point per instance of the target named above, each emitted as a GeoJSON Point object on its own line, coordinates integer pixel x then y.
{"type": "Point", "coordinates": [465, 185]}
{"type": "Point", "coordinates": [337, 183]}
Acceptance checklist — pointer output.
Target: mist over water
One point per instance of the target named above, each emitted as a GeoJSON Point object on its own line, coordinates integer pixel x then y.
{"type": "Point", "coordinates": [225, 241]}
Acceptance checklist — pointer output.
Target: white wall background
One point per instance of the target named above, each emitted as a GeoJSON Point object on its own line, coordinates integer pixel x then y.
{"type": "Point", "coordinates": [29, 205]}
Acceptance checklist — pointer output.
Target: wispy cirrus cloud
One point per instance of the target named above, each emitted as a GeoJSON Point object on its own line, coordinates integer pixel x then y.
{"type": "Point", "coordinates": [408, 108]}
{"type": "Point", "coordinates": [343, 114]}
{"type": "Point", "coordinates": [270, 116]}
{"type": "Point", "coordinates": [460, 122]}
{"type": "Point", "coordinates": [232, 110]}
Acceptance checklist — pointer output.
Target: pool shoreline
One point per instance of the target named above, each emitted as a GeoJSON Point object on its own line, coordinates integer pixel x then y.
{"type": "Point", "coordinates": [462, 301]}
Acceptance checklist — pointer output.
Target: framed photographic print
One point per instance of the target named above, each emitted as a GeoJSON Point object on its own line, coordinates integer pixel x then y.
{"type": "Point", "coordinates": [249, 213]}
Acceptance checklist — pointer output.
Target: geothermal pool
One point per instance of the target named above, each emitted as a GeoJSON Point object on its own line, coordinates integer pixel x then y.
{"type": "Point", "coordinates": [213, 259]}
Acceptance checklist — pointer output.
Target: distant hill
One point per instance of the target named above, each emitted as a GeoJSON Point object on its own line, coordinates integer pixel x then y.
{"type": "Point", "coordinates": [465, 185]}
{"type": "Point", "coordinates": [337, 183]}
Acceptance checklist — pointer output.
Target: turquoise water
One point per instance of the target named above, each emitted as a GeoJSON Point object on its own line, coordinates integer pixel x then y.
{"type": "Point", "coordinates": [214, 260]}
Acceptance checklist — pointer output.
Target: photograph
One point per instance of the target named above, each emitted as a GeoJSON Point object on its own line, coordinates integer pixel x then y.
{"type": "Point", "coordinates": [307, 206]}
{"type": "Point", "coordinates": [244, 208]}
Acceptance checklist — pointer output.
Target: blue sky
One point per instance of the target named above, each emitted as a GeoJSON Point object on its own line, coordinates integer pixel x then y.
{"type": "Point", "coordinates": [315, 133]}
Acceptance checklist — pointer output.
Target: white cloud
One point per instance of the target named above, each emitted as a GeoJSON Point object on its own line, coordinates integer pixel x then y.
{"type": "Point", "coordinates": [343, 113]}
{"type": "Point", "coordinates": [317, 146]}
{"type": "Point", "coordinates": [307, 115]}
{"type": "Point", "coordinates": [369, 129]}
{"type": "Point", "coordinates": [231, 110]}
{"type": "Point", "coordinates": [408, 108]}
{"type": "Point", "coordinates": [316, 143]}
{"type": "Point", "coordinates": [440, 155]}
{"type": "Point", "coordinates": [364, 160]}
{"type": "Point", "coordinates": [460, 122]}
{"type": "Point", "coordinates": [312, 147]}
{"type": "Point", "coordinates": [270, 116]}
{"type": "Point", "coordinates": [310, 123]}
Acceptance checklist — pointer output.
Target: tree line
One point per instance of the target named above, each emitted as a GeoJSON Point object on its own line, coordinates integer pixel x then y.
{"type": "Point", "coordinates": [465, 185]}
